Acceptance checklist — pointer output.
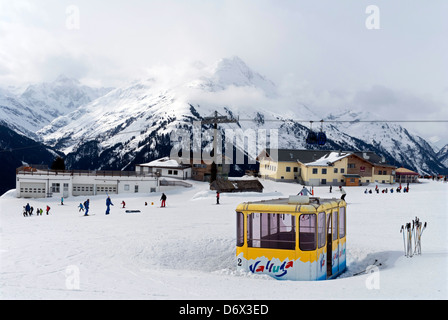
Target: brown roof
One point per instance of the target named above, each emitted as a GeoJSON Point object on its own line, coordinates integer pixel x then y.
{"type": "Point", "coordinates": [405, 172]}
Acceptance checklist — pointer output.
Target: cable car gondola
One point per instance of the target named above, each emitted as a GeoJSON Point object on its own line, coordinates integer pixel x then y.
{"type": "Point", "coordinates": [312, 136]}
{"type": "Point", "coordinates": [321, 136]}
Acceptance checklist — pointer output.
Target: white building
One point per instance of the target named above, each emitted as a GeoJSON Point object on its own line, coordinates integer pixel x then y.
{"type": "Point", "coordinates": [34, 183]}
{"type": "Point", "coordinates": [165, 167]}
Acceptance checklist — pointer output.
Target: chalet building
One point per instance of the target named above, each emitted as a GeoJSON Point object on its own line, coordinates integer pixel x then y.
{"type": "Point", "coordinates": [40, 183]}
{"type": "Point", "coordinates": [165, 167]}
{"type": "Point", "coordinates": [406, 176]}
{"type": "Point", "coordinates": [318, 167]}
{"type": "Point", "coordinates": [203, 171]}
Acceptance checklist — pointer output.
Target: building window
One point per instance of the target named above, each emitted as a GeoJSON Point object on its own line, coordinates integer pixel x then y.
{"type": "Point", "coordinates": [324, 181]}
{"type": "Point", "coordinates": [314, 170]}
{"type": "Point", "coordinates": [55, 188]}
{"type": "Point", "coordinates": [170, 171]}
{"type": "Point", "coordinates": [126, 187]}
{"type": "Point", "coordinates": [342, 170]}
{"type": "Point", "coordinates": [288, 169]}
{"type": "Point", "coordinates": [175, 172]}
{"type": "Point", "coordinates": [335, 170]}
{"type": "Point", "coordinates": [351, 166]}
{"type": "Point", "coordinates": [296, 169]}
{"type": "Point", "coordinates": [324, 171]}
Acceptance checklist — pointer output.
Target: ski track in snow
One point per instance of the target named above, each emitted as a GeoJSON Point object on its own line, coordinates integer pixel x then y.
{"type": "Point", "coordinates": [187, 250]}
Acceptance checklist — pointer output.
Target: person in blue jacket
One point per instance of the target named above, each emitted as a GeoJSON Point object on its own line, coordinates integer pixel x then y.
{"type": "Point", "coordinates": [86, 206]}
{"type": "Point", "coordinates": [108, 204]}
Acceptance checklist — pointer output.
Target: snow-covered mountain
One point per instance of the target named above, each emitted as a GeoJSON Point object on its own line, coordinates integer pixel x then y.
{"type": "Point", "coordinates": [132, 124]}
{"type": "Point", "coordinates": [41, 103]}
{"type": "Point", "coordinates": [442, 155]}
{"type": "Point", "coordinates": [390, 139]}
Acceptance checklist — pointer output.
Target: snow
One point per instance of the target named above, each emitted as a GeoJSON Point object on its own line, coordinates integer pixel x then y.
{"type": "Point", "coordinates": [328, 158]}
{"type": "Point", "coordinates": [162, 162]}
{"type": "Point", "coordinates": [187, 250]}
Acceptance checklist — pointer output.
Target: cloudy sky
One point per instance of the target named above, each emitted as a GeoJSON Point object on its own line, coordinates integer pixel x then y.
{"type": "Point", "coordinates": [391, 59]}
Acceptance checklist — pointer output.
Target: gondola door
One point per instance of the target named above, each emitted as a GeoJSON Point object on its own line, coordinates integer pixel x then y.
{"type": "Point", "coordinates": [335, 244]}
{"type": "Point", "coordinates": [329, 245]}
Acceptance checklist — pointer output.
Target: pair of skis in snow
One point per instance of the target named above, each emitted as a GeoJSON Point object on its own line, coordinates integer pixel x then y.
{"type": "Point", "coordinates": [375, 264]}
{"type": "Point", "coordinates": [412, 237]}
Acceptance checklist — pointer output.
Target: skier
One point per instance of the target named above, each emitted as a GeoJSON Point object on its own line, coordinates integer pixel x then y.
{"type": "Point", "coordinates": [86, 205]}
{"type": "Point", "coordinates": [81, 207]}
{"type": "Point", "coordinates": [304, 191]}
{"type": "Point", "coordinates": [62, 201]}
{"type": "Point", "coordinates": [163, 199]}
{"type": "Point", "coordinates": [48, 209]}
{"type": "Point", "coordinates": [331, 188]}
{"type": "Point", "coordinates": [27, 209]}
{"type": "Point", "coordinates": [123, 203]}
{"type": "Point", "coordinates": [217, 197]}
{"type": "Point", "coordinates": [343, 194]}
{"type": "Point", "coordinates": [108, 204]}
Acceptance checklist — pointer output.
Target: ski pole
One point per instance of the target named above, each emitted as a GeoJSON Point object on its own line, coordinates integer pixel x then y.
{"type": "Point", "coordinates": [404, 240]}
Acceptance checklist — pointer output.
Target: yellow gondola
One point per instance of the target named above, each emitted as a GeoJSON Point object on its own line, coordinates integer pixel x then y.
{"type": "Point", "coordinates": [295, 238]}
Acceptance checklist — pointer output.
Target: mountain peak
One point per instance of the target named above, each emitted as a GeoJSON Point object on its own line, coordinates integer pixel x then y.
{"type": "Point", "coordinates": [234, 71]}
{"type": "Point", "coordinates": [63, 79]}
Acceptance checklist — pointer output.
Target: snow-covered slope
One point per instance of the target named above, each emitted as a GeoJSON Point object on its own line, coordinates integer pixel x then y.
{"type": "Point", "coordinates": [187, 250]}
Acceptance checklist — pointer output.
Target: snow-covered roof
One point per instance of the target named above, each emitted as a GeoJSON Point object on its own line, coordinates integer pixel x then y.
{"type": "Point", "coordinates": [328, 159]}
{"type": "Point", "coordinates": [162, 162]}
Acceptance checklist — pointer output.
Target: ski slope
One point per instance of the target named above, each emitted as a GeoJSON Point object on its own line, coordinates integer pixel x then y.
{"type": "Point", "coordinates": [187, 250]}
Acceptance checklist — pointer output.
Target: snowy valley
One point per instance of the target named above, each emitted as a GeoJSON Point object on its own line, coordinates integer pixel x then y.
{"type": "Point", "coordinates": [187, 250]}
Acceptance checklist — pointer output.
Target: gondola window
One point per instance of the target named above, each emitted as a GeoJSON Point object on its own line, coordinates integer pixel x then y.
{"type": "Point", "coordinates": [271, 231]}
{"type": "Point", "coordinates": [240, 229]}
{"type": "Point", "coordinates": [307, 232]}
{"type": "Point", "coordinates": [341, 223]}
{"type": "Point", "coordinates": [321, 234]}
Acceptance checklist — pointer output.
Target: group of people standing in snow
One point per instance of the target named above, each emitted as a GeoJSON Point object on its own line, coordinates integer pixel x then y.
{"type": "Point", "coordinates": [85, 206]}
{"type": "Point", "coordinates": [28, 210]}
{"type": "Point", "coordinates": [391, 190]}
{"type": "Point", "coordinates": [306, 192]}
